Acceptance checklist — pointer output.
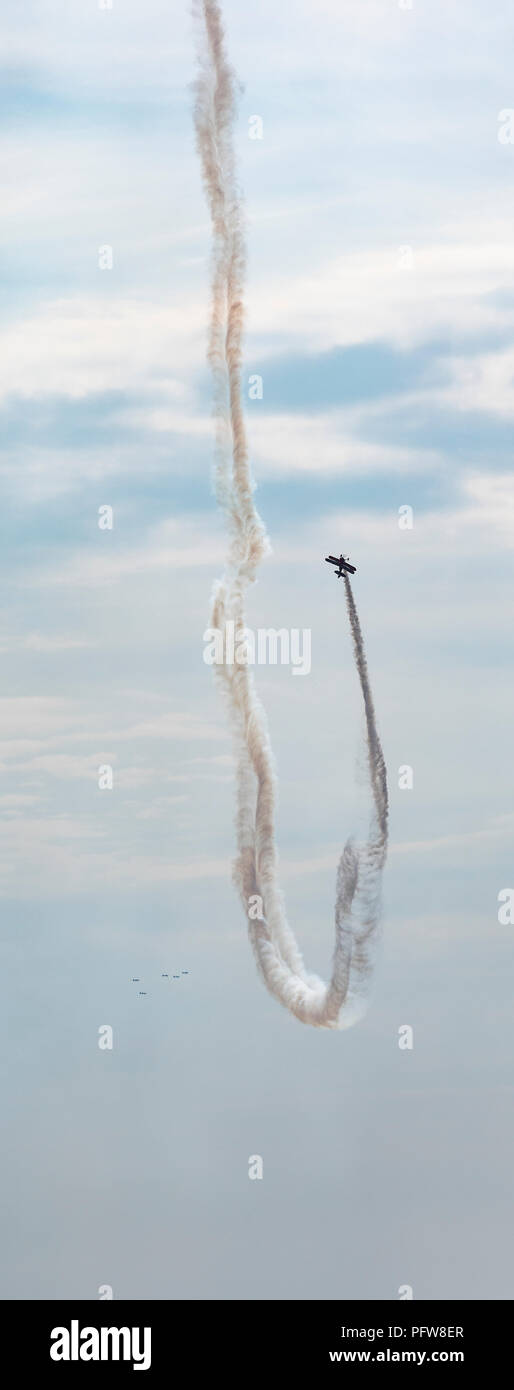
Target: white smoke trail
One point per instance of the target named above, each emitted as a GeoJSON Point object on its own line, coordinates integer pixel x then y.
{"type": "Point", "coordinates": [279, 960]}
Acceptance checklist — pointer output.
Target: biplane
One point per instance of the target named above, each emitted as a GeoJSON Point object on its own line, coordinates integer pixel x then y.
{"type": "Point", "coordinates": [342, 565]}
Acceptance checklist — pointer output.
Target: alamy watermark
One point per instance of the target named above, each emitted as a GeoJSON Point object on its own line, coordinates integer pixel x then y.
{"type": "Point", "coordinates": [241, 646]}
{"type": "Point", "coordinates": [102, 1344]}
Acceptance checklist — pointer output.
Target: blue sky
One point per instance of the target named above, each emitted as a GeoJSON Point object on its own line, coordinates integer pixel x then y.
{"type": "Point", "coordinates": [383, 385]}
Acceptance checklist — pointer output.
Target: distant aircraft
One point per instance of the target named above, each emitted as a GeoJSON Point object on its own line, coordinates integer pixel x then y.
{"type": "Point", "coordinates": [176, 977]}
{"type": "Point", "coordinates": [142, 991]}
{"type": "Point", "coordinates": [164, 976]}
{"type": "Point", "coordinates": [135, 979]}
{"type": "Point", "coordinates": [185, 972]}
{"type": "Point", "coordinates": [343, 564]}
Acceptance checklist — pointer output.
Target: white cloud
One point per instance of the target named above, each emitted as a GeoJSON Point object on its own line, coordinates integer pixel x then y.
{"type": "Point", "coordinates": [44, 725]}
{"type": "Point", "coordinates": [484, 382]}
{"type": "Point", "coordinates": [151, 47]}
{"type": "Point", "coordinates": [172, 545]}
{"type": "Point", "coordinates": [326, 443]}
{"type": "Point", "coordinates": [44, 643]}
{"type": "Point", "coordinates": [57, 856]}
{"type": "Point", "coordinates": [362, 296]}
{"type": "Point", "coordinates": [500, 829]}
{"type": "Point", "coordinates": [83, 345]}
{"type": "Point", "coordinates": [78, 346]}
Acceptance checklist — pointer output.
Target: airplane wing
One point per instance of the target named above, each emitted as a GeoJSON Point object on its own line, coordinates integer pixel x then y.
{"type": "Point", "coordinates": [341, 563]}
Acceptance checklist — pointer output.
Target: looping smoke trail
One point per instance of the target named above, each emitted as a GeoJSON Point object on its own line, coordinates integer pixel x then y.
{"type": "Point", "coordinates": [342, 1001]}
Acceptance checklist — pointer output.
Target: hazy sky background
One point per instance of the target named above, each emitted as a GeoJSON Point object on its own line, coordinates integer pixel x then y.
{"type": "Point", "coordinates": [383, 386]}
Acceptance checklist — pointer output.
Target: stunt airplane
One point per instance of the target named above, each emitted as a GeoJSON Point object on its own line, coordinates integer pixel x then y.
{"type": "Point", "coordinates": [343, 564]}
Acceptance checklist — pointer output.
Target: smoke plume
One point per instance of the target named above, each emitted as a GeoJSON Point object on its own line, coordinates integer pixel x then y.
{"type": "Point", "coordinates": [341, 1002]}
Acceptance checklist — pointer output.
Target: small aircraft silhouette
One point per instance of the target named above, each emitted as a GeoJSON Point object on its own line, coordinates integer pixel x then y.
{"type": "Point", "coordinates": [185, 972]}
{"type": "Point", "coordinates": [164, 976]}
{"type": "Point", "coordinates": [176, 977]}
{"type": "Point", "coordinates": [135, 979]}
{"type": "Point", "coordinates": [142, 991]}
{"type": "Point", "coordinates": [343, 564]}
